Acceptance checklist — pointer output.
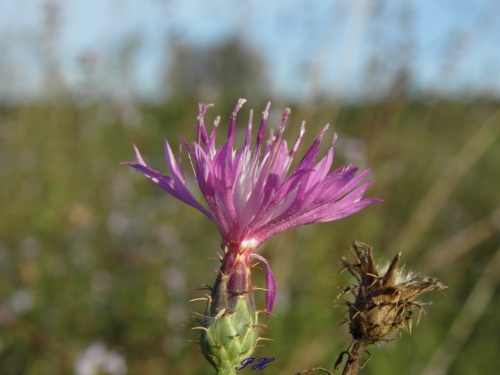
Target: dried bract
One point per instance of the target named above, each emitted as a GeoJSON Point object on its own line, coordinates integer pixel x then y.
{"type": "Point", "coordinates": [385, 298]}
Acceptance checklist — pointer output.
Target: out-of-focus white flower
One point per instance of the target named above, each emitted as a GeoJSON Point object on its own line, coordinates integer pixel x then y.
{"type": "Point", "coordinates": [20, 301]}
{"type": "Point", "coordinates": [96, 360]}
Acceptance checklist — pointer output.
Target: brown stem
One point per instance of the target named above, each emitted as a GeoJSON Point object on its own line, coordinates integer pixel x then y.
{"type": "Point", "coordinates": [311, 370]}
{"type": "Point", "coordinates": [354, 355]}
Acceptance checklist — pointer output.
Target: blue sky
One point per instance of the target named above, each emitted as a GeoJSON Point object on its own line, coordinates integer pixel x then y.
{"type": "Point", "coordinates": [310, 46]}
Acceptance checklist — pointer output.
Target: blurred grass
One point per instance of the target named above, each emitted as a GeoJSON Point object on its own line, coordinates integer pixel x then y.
{"type": "Point", "coordinates": [90, 250]}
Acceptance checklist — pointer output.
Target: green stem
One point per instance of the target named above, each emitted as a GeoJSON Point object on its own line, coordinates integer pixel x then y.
{"type": "Point", "coordinates": [226, 372]}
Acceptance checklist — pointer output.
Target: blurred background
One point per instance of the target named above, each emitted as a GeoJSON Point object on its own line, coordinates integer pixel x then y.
{"type": "Point", "coordinates": [97, 265]}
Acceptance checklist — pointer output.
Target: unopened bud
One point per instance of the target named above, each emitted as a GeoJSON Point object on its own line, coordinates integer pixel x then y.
{"type": "Point", "coordinates": [229, 327]}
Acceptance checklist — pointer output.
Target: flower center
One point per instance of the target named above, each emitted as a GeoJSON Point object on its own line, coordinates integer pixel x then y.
{"type": "Point", "coordinates": [248, 245]}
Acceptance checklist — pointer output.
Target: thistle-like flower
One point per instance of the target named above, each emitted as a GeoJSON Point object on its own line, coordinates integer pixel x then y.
{"type": "Point", "coordinates": [384, 302]}
{"type": "Point", "coordinates": [251, 196]}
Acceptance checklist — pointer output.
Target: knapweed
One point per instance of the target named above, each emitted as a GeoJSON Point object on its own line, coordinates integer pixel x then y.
{"type": "Point", "coordinates": [384, 302]}
{"type": "Point", "coordinates": [251, 194]}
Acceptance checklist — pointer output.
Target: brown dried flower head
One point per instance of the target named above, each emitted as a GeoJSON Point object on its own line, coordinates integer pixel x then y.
{"type": "Point", "coordinates": [385, 297]}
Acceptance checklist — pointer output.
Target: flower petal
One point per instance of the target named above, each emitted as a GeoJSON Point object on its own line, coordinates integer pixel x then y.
{"type": "Point", "coordinates": [250, 191]}
{"type": "Point", "coordinates": [270, 284]}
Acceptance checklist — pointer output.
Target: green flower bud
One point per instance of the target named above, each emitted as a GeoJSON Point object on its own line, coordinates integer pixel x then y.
{"type": "Point", "coordinates": [229, 327]}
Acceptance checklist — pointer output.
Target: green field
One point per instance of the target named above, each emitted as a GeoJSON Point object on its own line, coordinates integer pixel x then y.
{"type": "Point", "coordinates": [90, 251]}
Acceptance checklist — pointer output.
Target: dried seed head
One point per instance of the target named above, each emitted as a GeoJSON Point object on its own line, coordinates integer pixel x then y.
{"type": "Point", "coordinates": [385, 297]}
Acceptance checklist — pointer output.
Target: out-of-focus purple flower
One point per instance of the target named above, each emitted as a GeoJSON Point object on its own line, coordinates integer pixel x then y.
{"type": "Point", "coordinates": [251, 193]}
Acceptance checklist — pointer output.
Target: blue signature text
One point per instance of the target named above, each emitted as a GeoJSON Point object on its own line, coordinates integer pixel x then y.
{"type": "Point", "coordinates": [261, 363]}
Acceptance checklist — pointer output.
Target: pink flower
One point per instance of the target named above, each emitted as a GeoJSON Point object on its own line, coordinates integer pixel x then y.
{"type": "Point", "coordinates": [251, 193]}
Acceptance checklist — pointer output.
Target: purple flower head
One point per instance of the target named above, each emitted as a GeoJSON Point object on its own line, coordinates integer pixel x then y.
{"type": "Point", "coordinates": [251, 193]}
